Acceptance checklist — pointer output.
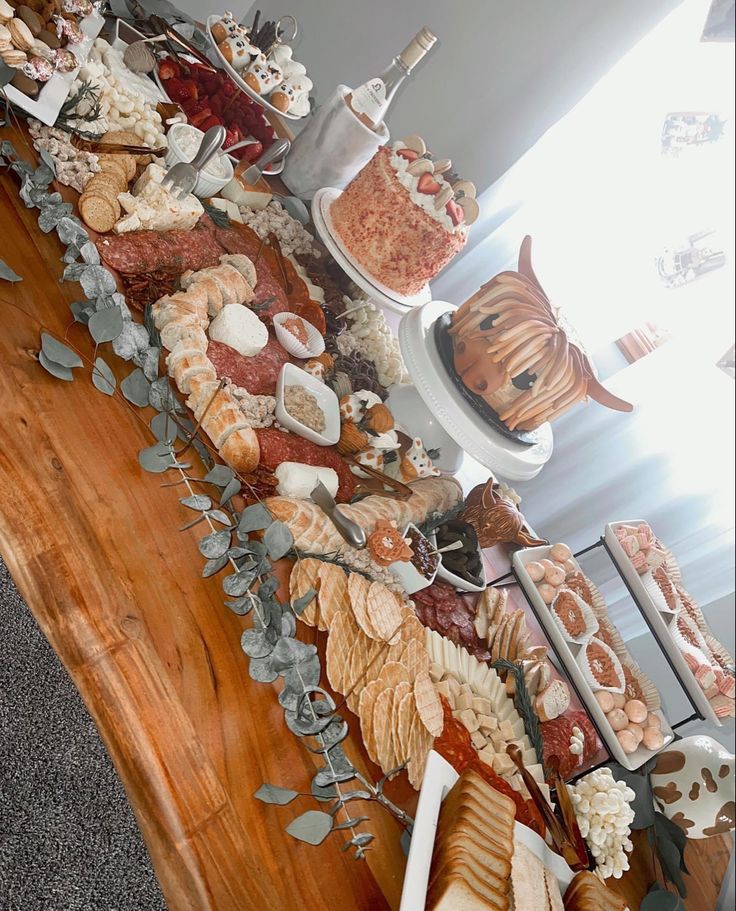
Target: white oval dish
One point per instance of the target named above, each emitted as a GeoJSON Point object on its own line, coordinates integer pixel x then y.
{"type": "Point", "coordinates": [315, 342]}
{"type": "Point", "coordinates": [291, 375]}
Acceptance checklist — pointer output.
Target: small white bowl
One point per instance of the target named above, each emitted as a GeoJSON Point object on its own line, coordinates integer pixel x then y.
{"type": "Point", "coordinates": [315, 342]}
{"type": "Point", "coordinates": [291, 375]}
{"type": "Point", "coordinates": [409, 576]}
{"type": "Point", "coordinates": [208, 184]}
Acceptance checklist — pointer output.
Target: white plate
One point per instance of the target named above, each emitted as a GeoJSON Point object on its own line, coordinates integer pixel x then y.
{"type": "Point", "coordinates": [439, 777]}
{"type": "Point", "coordinates": [46, 106]}
{"type": "Point", "coordinates": [238, 79]}
{"type": "Point", "coordinates": [563, 648]}
{"type": "Point", "coordinates": [510, 460]}
{"type": "Point", "coordinates": [271, 169]}
{"type": "Point", "coordinates": [659, 620]}
{"type": "Point", "coordinates": [377, 292]}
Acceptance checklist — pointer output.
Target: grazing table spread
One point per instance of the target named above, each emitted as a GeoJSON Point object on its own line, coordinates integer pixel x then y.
{"type": "Point", "coordinates": [364, 680]}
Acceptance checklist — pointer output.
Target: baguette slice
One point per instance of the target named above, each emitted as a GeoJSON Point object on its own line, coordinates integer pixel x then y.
{"type": "Point", "coordinates": [241, 450]}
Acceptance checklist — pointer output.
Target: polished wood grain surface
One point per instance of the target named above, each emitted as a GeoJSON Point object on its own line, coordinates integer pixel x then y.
{"type": "Point", "coordinates": [92, 543]}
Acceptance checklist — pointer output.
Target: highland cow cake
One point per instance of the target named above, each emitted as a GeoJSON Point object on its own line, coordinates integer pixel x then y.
{"type": "Point", "coordinates": [404, 216]}
{"type": "Point", "coordinates": [512, 350]}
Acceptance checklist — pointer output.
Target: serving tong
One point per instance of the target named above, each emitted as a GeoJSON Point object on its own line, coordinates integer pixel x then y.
{"type": "Point", "coordinates": [397, 489]}
{"type": "Point", "coordinates": [574, 855]}
{"type": "Point", "coordinates": [113, 148]}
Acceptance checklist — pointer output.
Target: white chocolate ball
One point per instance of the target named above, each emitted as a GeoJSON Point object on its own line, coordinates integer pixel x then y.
{"type": "Point", "coordinates": [636, 710]}
{"type": "Point", "coordinates": [653, 738]}
{"type": "Point", "coordinates": [618, 719]}
{"type": "Point", "coordinates": [554, 575]}
{"type": "Point", "coordinates": [627, 741]}
{"type": "Point", "coordinates": [653, 721]}
{"type": "Point", "coordinates": [547, 592]}
{"type": "Point", "coordinates": [560, 552]}
{"type": "Point", "coordinates": [619, 700]}
{"type": "Point", "coordinates": [536, 571]}
{"type": "Point", "coordinates": [637, 730]}
{"type": "Point", "coordinates": [605, 701]}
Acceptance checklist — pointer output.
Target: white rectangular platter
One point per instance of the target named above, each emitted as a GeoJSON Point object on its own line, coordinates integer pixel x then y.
{"type": "Point", "coordinates": [46, 106]}
{"type": "Point", "coordinates": [564, 652]}
{"type": "Point", "coordinates": [658, 620]}
{"type": "Point", "coordinates": [439, 777]}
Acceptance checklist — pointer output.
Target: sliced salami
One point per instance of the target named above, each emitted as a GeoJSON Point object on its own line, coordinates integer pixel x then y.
{"type": "Point", "coordinates": [257, 374]}
{"type": "Point", "coordinates": [160, 251]}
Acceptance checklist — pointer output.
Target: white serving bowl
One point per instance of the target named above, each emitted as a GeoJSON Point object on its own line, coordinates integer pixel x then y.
{"type": "Point", "coordinates": [208, 183]}
{"type": "Point", "coordinates": [458, 582]}
{"type": "Point", "coordinates": [291, 375]}
{"type": "Point", "coordinates": [409, 576]}
{"type": "Point", "coordinates": [315, 342]}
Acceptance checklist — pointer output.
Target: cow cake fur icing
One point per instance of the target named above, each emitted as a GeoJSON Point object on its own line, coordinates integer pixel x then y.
{"type": "Point", "coordinates": [402, 218]}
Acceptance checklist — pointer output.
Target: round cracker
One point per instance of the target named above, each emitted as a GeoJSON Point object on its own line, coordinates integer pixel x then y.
{"type": "Point", "coordinates": [382, 728]}
{"type": "Point", "coordinates": [358, 588]}
{"type": "Point", "coordinates": [98, 212]}
{"type": "Point", "coordinates": [333, 593]}
{"type": "Point", "coordinates": [339, 642]}
{"type": "Point", "coordinates": [407, 713]}
{"type": "Point", "coordinates": [366, 705]}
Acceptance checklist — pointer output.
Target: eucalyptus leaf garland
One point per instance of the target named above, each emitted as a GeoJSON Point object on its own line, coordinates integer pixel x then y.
{"type": "Point", "coordinates": [240, 547]}
{"type": "Point", "coordinates": [524, 706]}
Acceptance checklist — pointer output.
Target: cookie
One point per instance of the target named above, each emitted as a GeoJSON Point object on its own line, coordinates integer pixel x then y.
{"type": "Point", "coordinates": [21, 36]}
{"type": "Point", "coordinates": [25, 84]}
{"type": "Point", "coordinates": [31, 19]}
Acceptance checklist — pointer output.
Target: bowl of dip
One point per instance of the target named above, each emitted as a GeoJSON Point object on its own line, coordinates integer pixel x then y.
{"type": "Point", "coordinates": [184, 141]}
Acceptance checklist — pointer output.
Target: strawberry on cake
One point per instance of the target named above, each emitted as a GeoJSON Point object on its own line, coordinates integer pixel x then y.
{"type": "Point", "coordinates": [404, 216]}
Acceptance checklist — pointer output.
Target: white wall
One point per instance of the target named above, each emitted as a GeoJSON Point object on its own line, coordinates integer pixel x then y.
{"type": "Point", "coordinates": [502, 72]}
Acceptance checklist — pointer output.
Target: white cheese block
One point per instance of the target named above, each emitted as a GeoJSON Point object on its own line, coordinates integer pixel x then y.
{"type": "Point", "coordinates": [298, 481]}
{"type": "Point", "coordinates": [239, 328]}
{"type": "Point", "coordinates": [152, 208]}
{"type": "Point", "coordinates": [245, 195]}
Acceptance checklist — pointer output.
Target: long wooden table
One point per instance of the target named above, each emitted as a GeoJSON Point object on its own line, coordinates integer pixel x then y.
{"type": "Point", "coordinates": [91, 541]}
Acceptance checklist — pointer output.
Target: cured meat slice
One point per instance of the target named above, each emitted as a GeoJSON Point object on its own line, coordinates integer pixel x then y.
{"type": "Point", "coordinates": [442, 609]}
{"type": "Point", "coordinates": [556, 737]}
{"type": "Point", "coordinates": [257, 374]}
{"type": "Point", "coordinates": [277, 447]}
{"type": "Point", "coordinates": [160, 251]}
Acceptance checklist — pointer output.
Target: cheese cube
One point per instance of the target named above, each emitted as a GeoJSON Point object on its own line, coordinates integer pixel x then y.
{"type": "Point", "coordinates": [465, 700]}
{"type": "Point", "coordinates": [454, 687]}
{"type": "Point", "coordinates": [443, 687]}
{"type": "Point", "coordinates": [487, 754]}
{"type": "Point", "coordinates": [478, 740]}
{"type": "Point", "coordinates": [487, 723]}
{"type": "Point", "coordinates": [503, 764]}
{"type": "Point", "coordinates": [469, 719]}
{"type": "Point", "coordinates": [481, 706]}
{"type": "Point", "coordinates": [506, 730]}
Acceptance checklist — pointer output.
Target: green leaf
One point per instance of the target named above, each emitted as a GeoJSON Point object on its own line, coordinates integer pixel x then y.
{"type": "Point", "coordinates": [196, 501]}
{"type": "Point", "coordinates": [658, 899]}
{"type": "Point", "coordinates": [271, 793]}
{"type": "Point", "coordinates": [220, 475]}
{"type": "Point", "coordinates": [162, 424]}
{"type": "Point", "coordinates": [102, 377]}
{"type": "Point", "coordinates": [261, 671]}
{"type": "Point", "coordinates": [670, 857]}
{"type": "Point", "coordinates": [97, 281]}
{"type": "Point", "coordinates": [255, 643]}
{"type": "Point", "coordinates": [215, 544]}
{"type": "Point", "coordinates": [237, 584]}
{"type": "Point", "coordinates": [255, 518]}
{"type": "Point", "coordinates": [350, 823]}
{"type": "Point", "coordinates": [213, 566]}
{"type": "Point", "coordinates": [229, 492]}
{"type": "Point", "coordinates": [312, 827]}
{"type": "Point", "coordinates": [105, 325]}
{"type": "Point", "coordinates": [7, 274]}
{"type": "Point", "coordinates": [58, 370]}
{"type": "Point", "coordinates": [306, 599]}
{"type": "Point", "coordinates": [161, 395]}
{"type": "Point", "coordinates": [643, 802]}
{"type": "Point", "coordinates": [327, 793]}
{"type": "Point", "coordinates": [135, 388]}
{"type": "Point", "coordinates": [58, 352]}
{"type": "Point", "coordinates": [360, 841]}
{"type": "Point", "coordinates": [217, 515]}
{"type": "Point", "coordinates": [244, 605]}
{"type": "Point", "coordinates": [278, 540]}
{"type": "Point", "coordinates": [156, 458]}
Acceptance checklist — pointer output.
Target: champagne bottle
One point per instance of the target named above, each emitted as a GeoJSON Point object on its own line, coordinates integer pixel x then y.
{"type": "Point", "coordinates": [370, 102]}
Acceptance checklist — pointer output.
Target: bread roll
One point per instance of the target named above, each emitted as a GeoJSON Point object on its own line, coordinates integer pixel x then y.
{"type": "Point", "coordinates": [210, 286]}
{"type": "Point", "coordinates": [187, 367]}
{"type": "Point", "coordinates": [231, 283]}
{"type": "Point", "coordinates": [243, 264]}
{"type": "Point", "coordinates": [241, 450]}
{"type": "Point", "coordinates": [218, 425]}
{"type": "Point", "coordinates": [175, 333]}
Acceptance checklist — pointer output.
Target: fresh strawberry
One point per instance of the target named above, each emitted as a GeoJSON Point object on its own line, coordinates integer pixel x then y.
{"type": "Point", "coordinates": [175, 89]}
{"type": "Point", "coordinates": [253, 152]}
{"type": "Point", "coordinates": [168, 68]}
{"type": "Point", "coordinates": [195, 107]}
{"type": "Point", "coordinates": [231, 137]}
{"type": "Point", "coordinates": [190, 86]}
{"type": "Point", "coordinates": [211, 121]}
{"type": "Point", "coordinates": [199, 118]}
{"type": "Point", "coordinates": [229, 89]}
{"type": "Point", "coordinates": [427, 184]}
{"type": "Point", "coordinates": [456, 212]}
{"type": "Point", "coordinates": [409, 154]}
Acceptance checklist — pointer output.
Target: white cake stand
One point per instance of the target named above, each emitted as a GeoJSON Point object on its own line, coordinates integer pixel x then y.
{"type": "Point", "coordinates": [376, 292]}
{"type": "Point", "coordinates": [510, 460]}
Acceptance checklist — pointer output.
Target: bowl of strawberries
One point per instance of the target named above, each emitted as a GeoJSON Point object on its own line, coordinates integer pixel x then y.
{"type": "Point", "coordinates": [210, 98]}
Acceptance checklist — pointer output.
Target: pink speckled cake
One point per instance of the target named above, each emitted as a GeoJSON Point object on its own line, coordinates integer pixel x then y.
{"type": "Point", "coordinates": [401, 219]}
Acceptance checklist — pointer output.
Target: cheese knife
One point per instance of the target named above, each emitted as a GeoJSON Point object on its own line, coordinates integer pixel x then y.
{"type": "Point", "coordinates": [350, 531]}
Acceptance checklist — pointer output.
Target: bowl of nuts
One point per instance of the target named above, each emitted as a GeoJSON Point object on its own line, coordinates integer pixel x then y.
{"type": "Point", "coordinates": [306, 406]}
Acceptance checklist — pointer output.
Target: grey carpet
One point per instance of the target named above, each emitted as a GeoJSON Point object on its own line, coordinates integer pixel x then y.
{"type": "Point", "coordinates": [68, 838]}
